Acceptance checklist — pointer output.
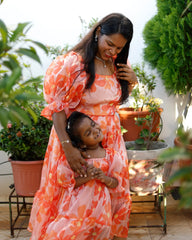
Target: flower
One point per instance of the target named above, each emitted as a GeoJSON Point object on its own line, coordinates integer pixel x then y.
{"type": "Point", "coordinates": [26, 143]}
{"type": "Point", "coordinates": [9, 125]}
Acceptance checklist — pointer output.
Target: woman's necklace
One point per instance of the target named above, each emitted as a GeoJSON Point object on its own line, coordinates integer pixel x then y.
{"type": "Point", "coordinates": [103, 61]}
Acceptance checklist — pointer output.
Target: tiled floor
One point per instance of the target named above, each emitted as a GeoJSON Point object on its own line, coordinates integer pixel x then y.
{"type": "Point", "coordinates": [179, 224]}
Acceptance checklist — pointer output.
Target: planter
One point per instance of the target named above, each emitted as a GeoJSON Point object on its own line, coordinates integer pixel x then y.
{"type": "Point", "coordinates": [27, 176]}
{"type": "Point", "coordinates": [183, 162]}
{"type": "Point", "coordinates": [144, 173]}
{"type": "Point", "coordinates": [127, 119]}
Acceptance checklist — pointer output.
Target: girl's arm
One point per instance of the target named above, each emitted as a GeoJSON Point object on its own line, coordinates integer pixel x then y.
{"type": "Point", "coordinates": [96, 173]}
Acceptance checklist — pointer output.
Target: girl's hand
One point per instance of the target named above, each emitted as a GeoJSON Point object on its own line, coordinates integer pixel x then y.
{"type": "Point", "coordinates": [100, 175]}
{"type": "Point", "coordinates": [125, 72]}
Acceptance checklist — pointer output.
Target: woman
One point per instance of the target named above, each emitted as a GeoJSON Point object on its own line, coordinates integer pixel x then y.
{"type": "Point", "coordinates": [92, 78]}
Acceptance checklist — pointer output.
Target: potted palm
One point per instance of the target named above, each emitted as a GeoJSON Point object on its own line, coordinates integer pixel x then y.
{"type": "Point", "coordinates": [24, 136]}
{"type": "Point", "coordinates": [26, 146]}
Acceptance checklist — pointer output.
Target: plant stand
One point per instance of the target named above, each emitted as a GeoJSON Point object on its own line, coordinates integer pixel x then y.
{"type": "Point", "coordinates": [158, 198]}
{"type": "Point", "coordinates": [21, 205]}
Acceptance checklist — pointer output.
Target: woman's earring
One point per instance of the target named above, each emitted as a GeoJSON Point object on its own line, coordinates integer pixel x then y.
{"type": "Point", "coordinates": [96, 38]}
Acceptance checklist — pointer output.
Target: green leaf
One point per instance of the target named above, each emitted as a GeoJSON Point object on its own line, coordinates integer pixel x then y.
{"type": "Point", "coordinates": [182, 173]}
{"type": "Point", "coordinates": [171, 154]}
{"type": "Point", "coordinates": [39, 44]}
{"type": "Point", "coordinates": [140, 141]}
{"type": "Point", "coordinates": [4, 32]}
{"type": "Point", "coordinates": [29, 53]}
{"type": "Point", "coordinates": [144, 133]}
{"type": "Point", "coordinates": [32, 113]}
{"type": "Point", "coordinates": [12, 62]}
{"type": "Point", "coordinates": [20, 114]}
{"type": "Point", "coordinates": [28, 96]}
{"type": "Point", "coordinates": [19, 31]}
{"type": "Point", "coordinates": [13, 79]}
{"type": "Point", "coordinates": [4, 117]}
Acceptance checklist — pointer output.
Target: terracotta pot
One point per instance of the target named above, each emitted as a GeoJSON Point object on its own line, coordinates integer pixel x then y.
{"type": "Point", "coordinates": [182, 162]}
{"type": "Point", "coordinates": [127, 119]}
{"type": "Point", "coordinates": [27, 176]}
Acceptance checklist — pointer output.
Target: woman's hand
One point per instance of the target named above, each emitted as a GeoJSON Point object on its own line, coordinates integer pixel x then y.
{"type": "Point", "coordinates": [75, 160]}
{"type": "Point", "coordinates": [125, 72]}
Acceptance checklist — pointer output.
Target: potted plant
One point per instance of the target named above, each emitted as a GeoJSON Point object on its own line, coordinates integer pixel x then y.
{"type": "Point", "coordinates": [25, 134]}
{"type": "Point", "coordinates": [142, 119]}
{"type": "Point", "coordinates": [26, 146]}
{"type": "Point", "coordinates": [144, 124]}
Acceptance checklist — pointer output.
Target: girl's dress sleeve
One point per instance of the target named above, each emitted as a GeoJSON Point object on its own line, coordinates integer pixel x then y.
{"type": "Point", "coordinates": [64, 84]}
{"type": "Point", "coordinates": [117, 170]}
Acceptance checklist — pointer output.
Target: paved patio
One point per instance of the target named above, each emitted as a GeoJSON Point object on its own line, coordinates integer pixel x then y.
{"type": "Point", "coordinates": [179, 224]}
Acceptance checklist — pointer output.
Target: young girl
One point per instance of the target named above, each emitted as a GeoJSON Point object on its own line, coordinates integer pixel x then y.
{"type": "Point", "coordinates": [96, 206]}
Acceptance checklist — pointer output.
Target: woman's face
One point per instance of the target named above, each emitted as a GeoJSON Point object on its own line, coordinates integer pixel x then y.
{"type": "Point", "coordinates": [110, 45]}
{"type": "Point", "coordinates": [90, 133]}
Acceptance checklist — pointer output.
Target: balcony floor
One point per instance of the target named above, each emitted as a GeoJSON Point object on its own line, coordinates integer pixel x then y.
{"type": "Point", "coordinates": [179, 224]}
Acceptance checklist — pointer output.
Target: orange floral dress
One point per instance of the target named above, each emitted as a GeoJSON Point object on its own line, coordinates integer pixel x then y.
{"type": "Point", "coordinates": [91, 211]}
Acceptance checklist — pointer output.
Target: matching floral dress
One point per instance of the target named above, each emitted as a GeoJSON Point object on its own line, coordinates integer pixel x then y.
{"type": "Point", "coordinates": [92, 211]}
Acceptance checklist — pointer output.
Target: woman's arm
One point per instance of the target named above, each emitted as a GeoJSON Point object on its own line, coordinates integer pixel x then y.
{"type": "Point", "coordinates": [74, 158]}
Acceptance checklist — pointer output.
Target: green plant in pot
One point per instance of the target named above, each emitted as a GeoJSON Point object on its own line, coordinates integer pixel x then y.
{"type": "Point", "coordinates": [144, 171]}
{"type": "Point", "coordinates": [26, 146]}
{"type": "Point", "coordinates": [142, 119]}
{"type": "Point", "coordinates": [25, 134]}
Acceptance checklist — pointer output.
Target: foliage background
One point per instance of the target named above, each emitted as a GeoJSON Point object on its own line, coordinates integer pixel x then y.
{"type": "Point", "coordinates": [168, 39]}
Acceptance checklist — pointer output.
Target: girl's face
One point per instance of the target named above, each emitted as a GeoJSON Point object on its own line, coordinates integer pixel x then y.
{"type": "Point", "coordinates": [90, 133]}
{"type": "Point", "coordinates": [110, 45]}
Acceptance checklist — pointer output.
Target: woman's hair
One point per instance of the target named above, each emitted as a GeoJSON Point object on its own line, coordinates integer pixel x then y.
{"type": "Point", "coordinates": [73, 122]}
{"type": "Point", "coordinates": [87, 47]}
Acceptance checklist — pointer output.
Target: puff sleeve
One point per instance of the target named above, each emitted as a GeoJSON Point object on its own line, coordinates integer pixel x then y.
{"type": "Point", "coordinates": [64, 84]}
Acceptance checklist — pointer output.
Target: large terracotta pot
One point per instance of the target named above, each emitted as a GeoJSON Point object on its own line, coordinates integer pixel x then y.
{"type": "Point", "coordinates": [27, 176]}
{"type": "Point", "coordinates": [127, 119]}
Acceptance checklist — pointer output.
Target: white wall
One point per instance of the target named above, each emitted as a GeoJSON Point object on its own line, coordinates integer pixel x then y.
{"type": "Point", "coordinates": [57, 23]}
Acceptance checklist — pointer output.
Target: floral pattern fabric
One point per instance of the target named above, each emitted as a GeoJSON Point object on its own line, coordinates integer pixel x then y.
{"type": "Point", "coordinates": [60, 211]}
